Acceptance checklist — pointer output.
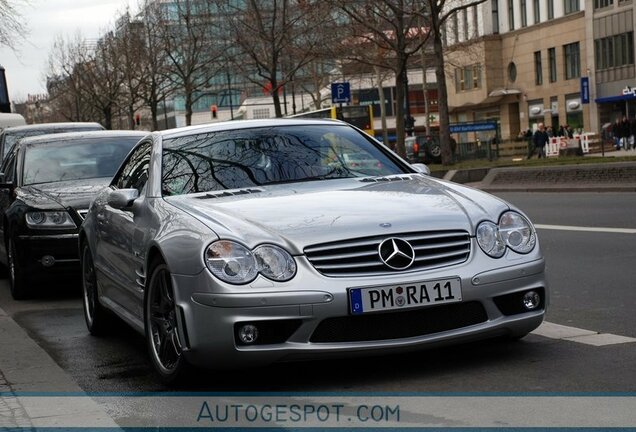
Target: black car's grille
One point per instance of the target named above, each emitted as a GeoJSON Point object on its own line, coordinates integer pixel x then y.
{"type": "Point", "coordinates": [398, 325]}
{"type": "Point", "coordinates": [360, 257]}
{"type": "Point", "coordinates": [82, 213]}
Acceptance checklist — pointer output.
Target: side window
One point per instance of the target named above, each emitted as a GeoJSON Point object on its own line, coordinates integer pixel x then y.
{"type": "Point", "coordinates": [134, 174]}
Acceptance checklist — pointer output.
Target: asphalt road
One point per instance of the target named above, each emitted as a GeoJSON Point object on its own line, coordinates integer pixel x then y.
{"type": "Point", "coordinates": [593, 280]}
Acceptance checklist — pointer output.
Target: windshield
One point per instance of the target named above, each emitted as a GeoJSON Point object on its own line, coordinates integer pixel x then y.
{"type": "Point", "coordinates": [75, 159]}
{"type": "Point", "coordinates": [262, 156]}
{"type": "Point", "coordinates": [11, 138]}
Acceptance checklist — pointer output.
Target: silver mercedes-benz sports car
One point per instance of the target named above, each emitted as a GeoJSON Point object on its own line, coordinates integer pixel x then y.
{"type": "Point", "coordinates": [244, 243]}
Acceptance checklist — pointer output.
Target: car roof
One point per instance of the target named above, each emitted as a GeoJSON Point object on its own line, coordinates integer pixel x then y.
{"type": "Point", "coordinates": [53, 126]}
{"type": "Point", "coordinates": [70, 136]}
{"type": "Point", "coordinates": [244, 124]}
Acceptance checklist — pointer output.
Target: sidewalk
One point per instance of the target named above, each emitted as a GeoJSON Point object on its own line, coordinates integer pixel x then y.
{"type": "Point", "coordinates": [26, 372]}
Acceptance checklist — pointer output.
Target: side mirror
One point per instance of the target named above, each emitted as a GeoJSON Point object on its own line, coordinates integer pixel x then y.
{"type": "Point", "coordinates": [421, 168]}
{"type": "Point", "coordinates": [122, 199]}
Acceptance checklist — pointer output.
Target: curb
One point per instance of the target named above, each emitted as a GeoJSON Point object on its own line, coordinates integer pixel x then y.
{"type": "Point", "coordinates": [593, 177]}
{"type": "Point", "coordinates": [26, 368]}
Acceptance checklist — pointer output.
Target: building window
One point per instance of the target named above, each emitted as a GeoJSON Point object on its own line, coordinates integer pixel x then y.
{"type": "Point", "coordinates": [512, 72]}
{"type": "Point", "coordinates": [614, 51]}
{"type": "Point", "coordinates": [536, 7]}
{"type": "Point", "coordinates": [495, 17]}
{"type": "Point", "coordinates": [538, 68]}
{"type": "Point", "coordinates": [465, 23]}
{"type": "Point", "coordinates": [468, 78]}
{"type": "Point", "coordinates": [511, 14]}
{"type": "Point", "coordinates": [475, 22]}
{"type": "Point", "coordinates": [599, 4]}
{"type": "Point", "coordinates": [524, 13]}
{"type": "Point", "coordinates": [550, 9]}
{"type": "Point", "coordinates": [570, 6]}
{"type": "Point", "coordinates": [552, 63]}
{"type": "Point", "coordinates": [456, 27]}
{"type": "Point", "coordinates": [572, 60]}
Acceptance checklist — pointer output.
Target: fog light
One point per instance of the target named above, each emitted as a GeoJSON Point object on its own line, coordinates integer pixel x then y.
{"type": "Point", "coordinates": [47, 261]}
{"type": "Point", "coordinates": [531, 300]}
{"type": "Point", "coordinates": [248, 334]}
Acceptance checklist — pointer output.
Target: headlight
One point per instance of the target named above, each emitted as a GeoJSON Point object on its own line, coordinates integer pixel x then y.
{"type": "Point", "coordinates": [275, 263]}
{"type": "Point", "coordinates": [514, 231]}
{"type": "Point", "coordinates": [49, 219]}
{"type": "Point", "coordinates": [234, 263]}
{"type": "Point", "coordinates": [517, 232]}
{"type": "Point", "coordinates": [489, 239]}
{"type": "Point", "coordinates": [231, 262]}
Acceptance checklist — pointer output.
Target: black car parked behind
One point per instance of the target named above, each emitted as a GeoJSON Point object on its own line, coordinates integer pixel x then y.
{"type": "Point", "coordinates": [45, 190]}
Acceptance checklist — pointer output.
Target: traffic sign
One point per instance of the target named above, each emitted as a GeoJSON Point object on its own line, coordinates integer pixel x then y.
{"type": "Point", "coordinates": [340, 92]}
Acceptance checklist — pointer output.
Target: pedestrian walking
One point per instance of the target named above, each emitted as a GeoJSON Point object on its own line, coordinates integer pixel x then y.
{"type": "Point", "coordinates": [617, 130]}
{"type": "Point", "coordinates": [527, 135]}
{"type": "Point", "coordinates": [540, 139]}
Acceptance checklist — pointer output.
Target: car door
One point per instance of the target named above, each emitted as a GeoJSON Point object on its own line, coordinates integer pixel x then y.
{"type": "Point", "coordinates": [117, 231]}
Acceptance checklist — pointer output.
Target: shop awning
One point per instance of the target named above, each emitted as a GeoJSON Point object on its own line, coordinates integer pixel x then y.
{"type": "Point", "coordinates": [504, 92]}
{"type": "Point", "coordinates": [611, 99]}
{"type": "Point", "coordinates": [484, 103]}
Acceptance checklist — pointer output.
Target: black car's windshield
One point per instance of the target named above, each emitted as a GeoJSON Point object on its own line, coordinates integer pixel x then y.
{"type": "Point", "coordinates": [270, 155]}
{"type": "Point", "coordinates": [11, 137]}
{"type": "Point", "coordinates": [76, 159]}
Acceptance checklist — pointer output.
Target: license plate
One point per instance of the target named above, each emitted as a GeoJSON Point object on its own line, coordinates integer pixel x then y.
{"type": "Point", "coordinates": [405, 296]}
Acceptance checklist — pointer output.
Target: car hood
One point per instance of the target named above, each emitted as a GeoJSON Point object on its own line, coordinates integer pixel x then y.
{"type": "Point", "coordinates": [70, 193]}
{"type": "Point", "coordinates": [301, 214]}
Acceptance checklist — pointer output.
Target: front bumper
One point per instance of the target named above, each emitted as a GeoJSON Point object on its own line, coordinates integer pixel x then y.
{"type": "Point", "coordinates": [308, 317]}
{"type": "Point", "coordinates": [54, 254]}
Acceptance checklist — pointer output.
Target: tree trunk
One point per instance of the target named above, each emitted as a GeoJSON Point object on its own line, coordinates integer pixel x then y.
{"type": "Point", "coordinates": [188, 107]}
{"type": "Point", "coordinates": [399, 111]}
{"type": "Point", "coordinates": [385, 133]}
{"type": "Point", "coordinates": [442, 98]}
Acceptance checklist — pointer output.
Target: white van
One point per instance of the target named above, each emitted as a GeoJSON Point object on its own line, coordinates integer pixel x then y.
{"type": "Point", "coordinates": [10, 119]}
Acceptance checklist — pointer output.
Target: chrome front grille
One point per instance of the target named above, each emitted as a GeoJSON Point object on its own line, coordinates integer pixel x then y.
{"type": "Point", "coordinates": [360, 257]}
{"type": "Point", "coordinates": [82, 213]}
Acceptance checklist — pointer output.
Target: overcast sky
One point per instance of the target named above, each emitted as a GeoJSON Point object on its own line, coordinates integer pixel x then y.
{"type": "Point", "coordinates": [26, 68]}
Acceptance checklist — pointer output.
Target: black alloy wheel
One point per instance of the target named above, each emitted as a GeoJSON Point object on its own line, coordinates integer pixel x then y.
{"type": "Point", "coordinates": [162, 326]}
{"type": "Point", "coordinates": [95, 315]}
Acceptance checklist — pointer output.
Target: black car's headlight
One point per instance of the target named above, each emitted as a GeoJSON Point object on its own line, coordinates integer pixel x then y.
{"type": "Point", "coordinates": [234, 263]}
{"type": "Point", "coordinates": [49, 219]}
{"type": "Point", "coordinates": [513, 231]}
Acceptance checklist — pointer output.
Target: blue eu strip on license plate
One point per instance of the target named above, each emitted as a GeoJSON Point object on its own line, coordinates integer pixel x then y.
{"type": "Point", "coordinates": [356, 301]}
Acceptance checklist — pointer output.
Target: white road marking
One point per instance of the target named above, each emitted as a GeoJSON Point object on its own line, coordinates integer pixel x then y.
{"type": "Point", "coordinates": [588, 337]}
{"type": "Point", "coordinates": [588, 229]}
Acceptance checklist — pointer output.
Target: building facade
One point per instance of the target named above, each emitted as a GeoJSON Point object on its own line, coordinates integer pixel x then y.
{"type": "Point", "coordinates": [519, 63]}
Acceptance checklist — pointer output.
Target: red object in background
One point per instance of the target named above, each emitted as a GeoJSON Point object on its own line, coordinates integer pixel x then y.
{"type": "Point", "coordinates": [214, 110]}
{"type": "Point", "coordinates": [137, 119]}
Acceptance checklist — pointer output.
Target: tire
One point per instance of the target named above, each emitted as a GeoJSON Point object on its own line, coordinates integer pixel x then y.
{"type": "Point", "coordinates": [18, 280]}
{"type": "Point", "coordinates": [435, 152]}
{"type": "Point", "coordinates": [96, 316]}
{"type": "Point", "coordinates": [162, 327]}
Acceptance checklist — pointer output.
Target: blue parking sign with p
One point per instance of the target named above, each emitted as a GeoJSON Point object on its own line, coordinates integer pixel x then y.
{"type": "Point", "coordinates": [340, 92]}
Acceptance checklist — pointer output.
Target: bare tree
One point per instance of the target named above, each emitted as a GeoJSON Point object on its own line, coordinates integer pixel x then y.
{"type": "Point", "coordinates": [65, 80]}
{"type": "Point", "coordinates": [188, 40]}
{"type": "Point", "coordinates": [12, 25]}
{"type": "Point", "coordinates": [104, 78]}
{"type": "Point", "coordinates": [276, 38]}
{"type": "Point", "coordinates": [130, 38]}
{"type": "Point", "coordinates": [386, 34]}
{"type": "Point", "coordinates": [155, 85]}
{"type": "Point", "coordinates": [436, 14]}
